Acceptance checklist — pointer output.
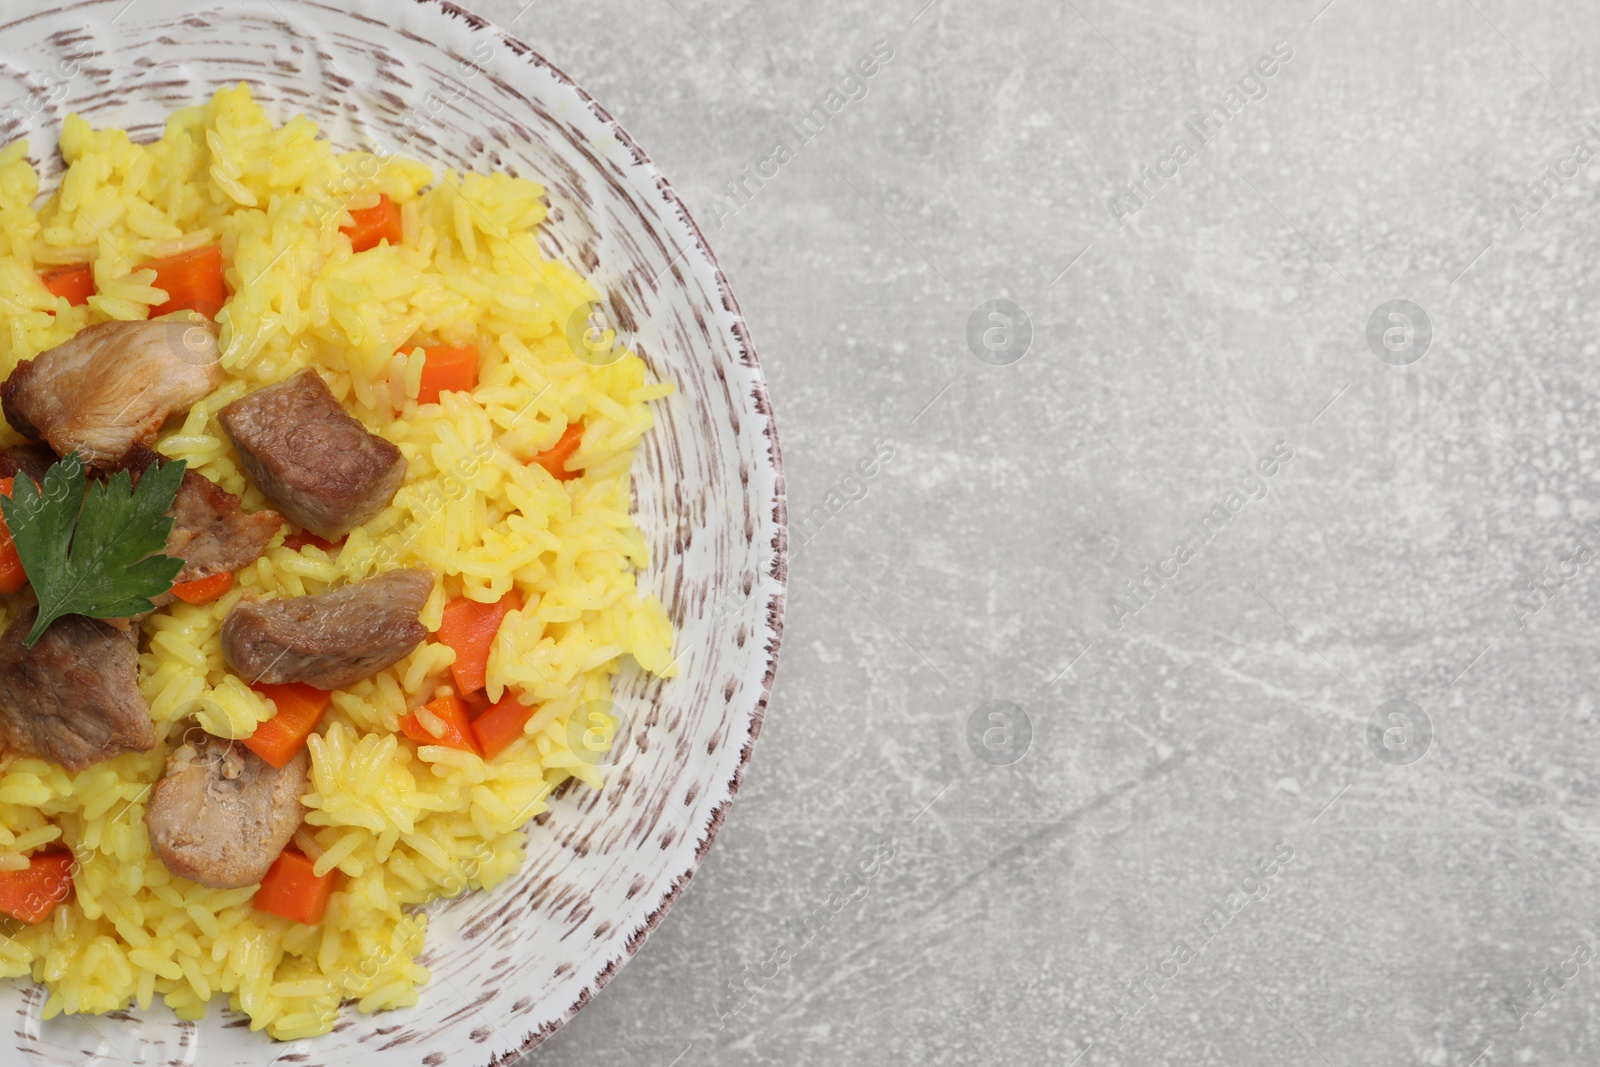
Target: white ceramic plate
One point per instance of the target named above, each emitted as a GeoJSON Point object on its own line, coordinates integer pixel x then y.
{"type": "Point", "coordinates": [435, 82]}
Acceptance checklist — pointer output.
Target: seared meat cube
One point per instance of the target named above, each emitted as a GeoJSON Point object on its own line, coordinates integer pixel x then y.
{"type": "Point", "coordinates": [210, 532]}
{"type": "Point", "coordinates": [222, 814]}
{"type": "Point", "coordinates": [111, 387]}
{"type": "Point", "coordinates": [320, 466]}
{"type": "Point", "coordinates": [30, 459]}
{"type": "Point", "coordinates": [331, 640]}
{"type": "Point", "coordinates": [73, 698]}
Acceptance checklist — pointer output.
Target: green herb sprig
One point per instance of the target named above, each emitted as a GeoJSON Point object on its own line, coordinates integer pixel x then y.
{"type": "Point", "coordinates": [95, 549]}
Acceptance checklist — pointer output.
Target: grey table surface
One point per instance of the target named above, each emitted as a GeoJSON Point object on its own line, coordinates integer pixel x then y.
{"type": "Point", "coordinates": [1191, 659]}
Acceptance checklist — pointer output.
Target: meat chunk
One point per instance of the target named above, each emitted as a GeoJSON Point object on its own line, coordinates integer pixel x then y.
{"type": "Point", "coordinates": [211, 533]}
{"type": "Point", "coordinates": [73, 698]}
{"type": "Point", "coordinates": [331, 640]}
{"type": "Point", "coordinates": [111, 387]}
{"type": "Point", "coordinates": [32, 460]}
{"type": "Point", "coordinates": [320, 466]}
{"type": "Point", "coordinates": [222, 814]}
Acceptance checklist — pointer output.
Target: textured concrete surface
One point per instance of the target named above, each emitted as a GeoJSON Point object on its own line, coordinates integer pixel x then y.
{"type": "Point", "coordinates": [1321, 789]}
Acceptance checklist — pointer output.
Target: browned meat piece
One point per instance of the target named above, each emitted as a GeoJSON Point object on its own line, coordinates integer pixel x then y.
{"type": "Point", "coordinates": [210, 532]}
{"type": "Point", "coordinates": [111, 387]}
{"type": "Point", "coordinates": [331, 640]}
{"type": "Point", "coordinates": [311, 458]}
{"type": "Point", "coordinates": [73, 698]}
{"type": "Point", "coordinates": [222, 814]}
{"type": "Point", "coordinates": [32, 460]}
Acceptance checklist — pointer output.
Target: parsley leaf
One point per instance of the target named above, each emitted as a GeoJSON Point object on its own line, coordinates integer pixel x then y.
{"type": "Point", "coordinates": [94, 553]}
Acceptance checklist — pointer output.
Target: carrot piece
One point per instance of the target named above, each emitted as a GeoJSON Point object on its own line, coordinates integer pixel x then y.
{"type": "Point", "coordinates": [469, 627]}
{"type": "Point", "coordinates": [292, 889]}
{"type": "Point", "coordinates": [204, 590]}
{"type": "Point", "coordinates": [502, 724]}
{"type": "Point", "coordinates": [446, 369]}
{"type": "Point", "coordinates": [192, 281]}
{"type": "Point", "coordinates": [554, 458]}
{"type": "Point", "coordinates": [12, 576]}
{"type": "Point", "coordinates": [32, 893]}
{"type": "Point", "coordinates": [450, 710]}
{"type": "Point", "coordinates": [299, 709]}
{"type": "Point", "coordinates": [74, 282]}
{"type": "Point", "coordinates": [370, 225]}
{"type": "Point", "coordinates": [297, 541]}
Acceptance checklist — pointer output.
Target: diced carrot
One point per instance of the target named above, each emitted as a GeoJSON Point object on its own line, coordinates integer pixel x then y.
{"type": "Point", "coordinates": [469, 627]}
{"type": "Point", "coordinates": [370, 225]}
{"type": "Point", "coordinates": [74, 282]}
{"type": "Point", "coordinates": [452, 712]}
{"type": "Point", "coordinates": [446, 369]}
{"type": "Point", "coordinates": [299, 709]}
{"type": "Point", "coordinates": [12, 576]}
{"type": "Point", "coordinates": [554, 459]}
{"type": "Point", "coordinates": [192, 281]}
{"type": "Point", "coordinates": [297, 541]}
{"type": "Point", "coordinates": [292, 889]}
{"type": "Point", "coordinates": [32, 893]}
{"type": "Point", "coordinates": [502, 724]}
{"type": "Point", "coordinates": [304, 538]}
{"type": "Point", "coordinates": [204, 590]}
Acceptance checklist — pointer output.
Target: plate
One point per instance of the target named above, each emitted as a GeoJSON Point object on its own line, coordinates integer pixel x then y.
{"type": "Point", "coordinates": [432, 81]}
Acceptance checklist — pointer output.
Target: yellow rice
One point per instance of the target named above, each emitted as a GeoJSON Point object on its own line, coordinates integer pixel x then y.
{"type": "Point", "coordinates": [404, 825]}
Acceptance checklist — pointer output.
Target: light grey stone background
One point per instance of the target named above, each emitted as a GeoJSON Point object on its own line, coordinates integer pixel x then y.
{"type": "Point", "coordinates": [1201, 854]}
